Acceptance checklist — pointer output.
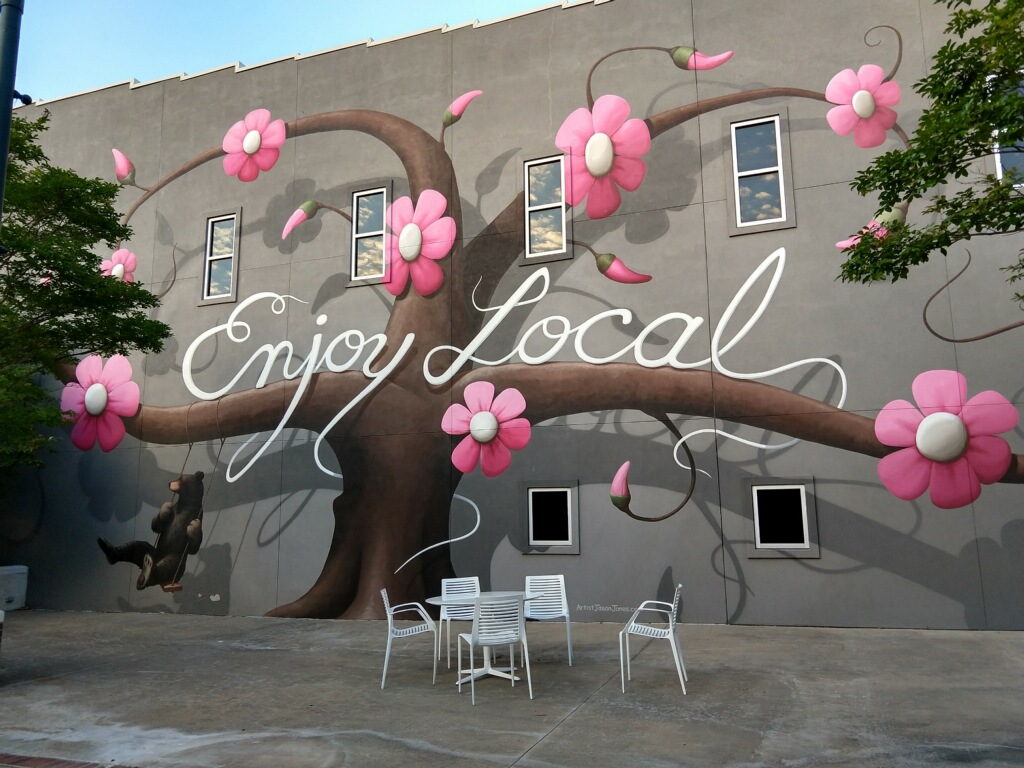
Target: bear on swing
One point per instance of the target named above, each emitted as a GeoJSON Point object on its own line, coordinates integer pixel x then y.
{"type": "Point", "coordinates": [179, 530]}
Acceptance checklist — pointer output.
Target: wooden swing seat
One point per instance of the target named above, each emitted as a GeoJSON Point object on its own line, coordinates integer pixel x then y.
{"type": "Point", "coordinates": [172, 587]}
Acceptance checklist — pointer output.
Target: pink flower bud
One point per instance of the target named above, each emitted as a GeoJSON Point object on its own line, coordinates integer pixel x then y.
{"type": "Point", "coordinates": [620, 488]}
{"type": "Point", "coordinates": [454, 112]}
{"type": "Point", "coordinates": [873, 228]}
{"type": "Point", "coordinates": [303, 213]}
{"type": "Point", "coordinates": [123, 168]}
{"type": "Point", "coordinates": [612, 267]}
{"type": "Point", "coordinates": [686, 57]}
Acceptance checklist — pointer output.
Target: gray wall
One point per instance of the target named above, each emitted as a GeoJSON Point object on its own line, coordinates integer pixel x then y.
{"type": "Point", "coordinates": [883, 561]}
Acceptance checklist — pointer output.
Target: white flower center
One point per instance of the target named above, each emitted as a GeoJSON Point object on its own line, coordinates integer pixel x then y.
{"type": "Point", "coordinates": [96, 399]}
{"type": "Point", "coordinates": [863, 104]}
{"type": "Point", "coordinates": [483, 426]}
{"type": "Point", "coordinates": [251, 142]}
{"type": "Point", "coordinates": [599, 154]}
{"type": "Point", "coordinates": [941, 437]}
{"type": "Point", "coordinates": [118, 271]}
{"type": "Point", "coordinates": [410, 242]}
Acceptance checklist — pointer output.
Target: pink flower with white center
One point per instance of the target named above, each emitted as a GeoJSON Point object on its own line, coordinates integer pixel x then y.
{"type": "Point", "coordinates": [421, 237]}
{"type": "Point", "coordinates": [603, 150]}
{"type": "Point", "coordinates": [123, 168]}
{"type": "Point", "coordinates": [494, 431]}
{"type": "Point", "coordinates": [949, 445]}
{"type": "Point", "coordinates": [864, 105]}
{"type": "Point", "coordinates": [121, 265]}
{"type": "Point", "coordinates": [252, 145]}
{"type": "Point", "coordinates": [100, 397]}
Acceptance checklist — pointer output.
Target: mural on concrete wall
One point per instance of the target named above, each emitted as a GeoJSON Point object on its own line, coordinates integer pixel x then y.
{"type": "Point", "coordinates": [424, 400]}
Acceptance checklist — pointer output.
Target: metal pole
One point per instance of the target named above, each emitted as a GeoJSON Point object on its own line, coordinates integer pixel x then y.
{"type": "Point", "coordinates": [10, 31]}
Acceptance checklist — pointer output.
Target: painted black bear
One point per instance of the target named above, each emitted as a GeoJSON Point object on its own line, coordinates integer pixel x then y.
{"type": "Point", "coordinates": [179, 529]}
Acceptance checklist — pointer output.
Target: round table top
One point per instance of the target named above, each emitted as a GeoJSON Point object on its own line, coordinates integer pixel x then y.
{"type": "Point", "coordinates": [467, 599]}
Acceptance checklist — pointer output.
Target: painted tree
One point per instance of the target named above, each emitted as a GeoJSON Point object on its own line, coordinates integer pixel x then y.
{"type": "Point", "coordinates": [421, 363]}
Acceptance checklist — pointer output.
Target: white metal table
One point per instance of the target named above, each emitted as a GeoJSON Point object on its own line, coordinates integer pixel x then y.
{"type": "Point", "coordinates": [488, 668]}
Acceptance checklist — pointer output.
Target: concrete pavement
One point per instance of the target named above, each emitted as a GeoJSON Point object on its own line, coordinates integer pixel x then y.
{"type": "Point", "coordinates": [171, 690]}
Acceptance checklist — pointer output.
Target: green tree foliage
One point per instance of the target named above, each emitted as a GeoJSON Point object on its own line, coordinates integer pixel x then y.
{"type": "Point", "coordinates": [976, 96]}
{"type": "Point", "coordinates": [55, 305]}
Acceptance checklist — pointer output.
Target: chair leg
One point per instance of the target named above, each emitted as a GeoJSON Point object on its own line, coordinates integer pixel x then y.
{"type": "Point", "coordinates": [472, 677]}
{"type": "Point", "coordinates": [568, 638]}
{"type": "Point", "coordinates": [387, 655]}
{"type": "Point", "coordinates": [459, 641]}
{"type": "Point", "coordinates": [437, 636]}
{"type": "Point", "coordinates": [525, 651]}
{"type": "Point", "coordinates": [449, 644]}
{"type": "Point", "coordinates": [679, 662]}
{"type": "Point", "coordinates": [512, 669]}
{"type": "Point", "coordinates": [682, 661]}
{"type": "Point", "coordinates": [622, 662]}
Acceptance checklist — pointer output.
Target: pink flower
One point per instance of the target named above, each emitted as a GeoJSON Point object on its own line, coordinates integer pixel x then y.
{"type": "Point", "coordinates": [123, 168]}
{"type": "Point", "coordinates": [454, 112]}
{"type": "Point", "coordinates": [121, 265]}
{"type": "Point", "coordinates": [604, 150]}
{"type": "Point", "coordinates": [872, 228]}
{"type": "Point", "coordinates": [620, 488]}
{"type": "Point", "coordinates": [686, 57]}
{"type": "Point", "coordinates": [252, 145]}
{"type": "Point", "coordinates": [303, 213]}
{"type": "Point", "coordinates": [99, 398]}
{"type": "Point", "coordinates": [949, 445]}
{"type": "Point", "coordinates": [864, 105]}
{"type": "Point", "coordinates": [493, 429]}
{"type": "Point", "coordinates": [612, 267]}
{"type": "Point", "coordinates": [422, 236]}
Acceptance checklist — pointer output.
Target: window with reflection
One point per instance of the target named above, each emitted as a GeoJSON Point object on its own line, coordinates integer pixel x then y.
{"type": "Point", "coordinates": [757, 172]}
{"type": "Point", "coordinates": [219, 271]}
{"type": "Point", "coordinates": [1010, 157]}
{"type": "Point", "coordinates": [368, 234]}
{"type": "Point", "coordinates": [545, 208]}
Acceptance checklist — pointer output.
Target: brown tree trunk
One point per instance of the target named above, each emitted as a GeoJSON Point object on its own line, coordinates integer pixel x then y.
{"type": "Point", "coordinates": [398, 493]}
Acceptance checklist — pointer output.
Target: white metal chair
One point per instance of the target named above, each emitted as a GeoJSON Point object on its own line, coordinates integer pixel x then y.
{"type": "Point", "coordinates": [468, 586]}
{"type": "Point", "coordinates": [497, 621]}
{"type": "Point", "coordinates": [634, 627]}
{"type": "Point", "coordinates": [552, 605]}
{"type": "Point", "coordinates": [427, 625]}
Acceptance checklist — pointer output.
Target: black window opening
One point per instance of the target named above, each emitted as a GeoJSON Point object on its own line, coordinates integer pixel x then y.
{"type": "Point", "coordinates": [550, 517]}
{"type": "Point", "coordinates": [780, 517]}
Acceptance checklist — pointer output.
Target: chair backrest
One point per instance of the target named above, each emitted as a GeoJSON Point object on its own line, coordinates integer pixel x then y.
{"type": "Point", "coordinates": [676, 599]}
{"type": "Point", "coordinates": [552, 602]}
{"type": "Point", "coordinates": [498, 620]}
{"type": "Point", "coordinates": [387, 607]}
{"type": "Point", "coordinates": [468, 586]}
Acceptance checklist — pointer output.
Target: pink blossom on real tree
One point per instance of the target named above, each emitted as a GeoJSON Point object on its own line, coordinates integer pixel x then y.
{"type": "Point", "coordinates": [100, 397]}
{"type": "Point", "coordinates": [612, 267]}
{"type": "Point", "coordinates": [686, 57]}
{"type": "Point", "coordinates": [864, 105]}
{"type": "Point", "coordinates": [120, 265]}
{"type": "Point", "coordinates": [949, 444]}
{"type": "Point", "coordinates": [422, 235]}
{"type": "Point", "coordinates": [304, 212]}
{"type": "Point", "coordinates": [620, 488]}
{"type": "Point", "coordinates": [492, 427]}
{"type": "Point", "coordinates": [124, 170]}
{"type": "Point", "coordinates": [252, 145]}
{"type": "Point", "coordinates": [454, 112]}
{"type": "Point", "coordinates": [603, 149]}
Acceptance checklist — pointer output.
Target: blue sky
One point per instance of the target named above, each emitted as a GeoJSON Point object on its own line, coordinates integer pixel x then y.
{"type": "Point", "coordinates": [68, 46]}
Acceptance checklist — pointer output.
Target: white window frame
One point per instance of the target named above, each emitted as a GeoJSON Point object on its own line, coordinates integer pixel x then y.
{"type": "Point", "coordinates": [775, 120]}
{"type": "Point", "coordinates": [560, 159]}
{"type": "Point", "coordinates": [209, 258]}
{"type": "Point", "coordinates": [357, 236]}
{"type": "Point", "coordinates": [806, 543]}
{"type": "Point", "coordinates": [534, 542]}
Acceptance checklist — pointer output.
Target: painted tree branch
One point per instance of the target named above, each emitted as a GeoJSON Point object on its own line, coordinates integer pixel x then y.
{"type": "Point", "coordinates": [560, 389]}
